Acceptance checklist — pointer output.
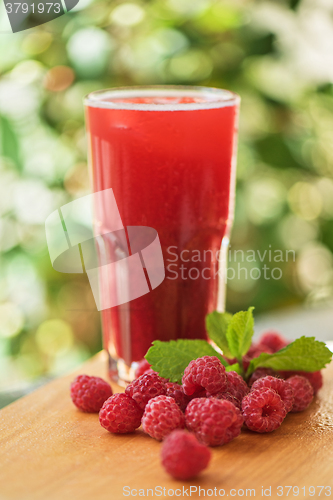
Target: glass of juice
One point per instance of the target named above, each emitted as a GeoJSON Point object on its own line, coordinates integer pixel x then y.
{"type": "Point", "coordinates": [169, 155]}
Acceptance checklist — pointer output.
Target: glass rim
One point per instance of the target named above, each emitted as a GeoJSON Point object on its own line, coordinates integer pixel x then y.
{"type": "Point", "coordinates": [214, 97]}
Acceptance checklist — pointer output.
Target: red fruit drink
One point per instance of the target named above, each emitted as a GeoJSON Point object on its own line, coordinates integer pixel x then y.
{"type": "Point", "coordinates": [168, 153]}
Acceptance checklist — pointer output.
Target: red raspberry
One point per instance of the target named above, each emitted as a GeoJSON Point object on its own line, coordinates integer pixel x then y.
{"type": "Point", "coordinates": [146, 387]}
{"type": "Point", "coordinates": [260, 373]}
{"type": "Point", "coordinates": [227, 397]}
{"type": "Point", "coordinates": [214, 421]}
{"type": "Point", "coordinates": [142, 367]}
{"type": "Point", "coordinates": [183, 456]}
{"type": "Point", "coordinates": [89, 393]}
{"type": "Point", "coordinates": [263, 410]}
{"type": "Point", "coordinates": [303, 392]}
{"type": "Point", "coordinates": [162, 415]}
{"type": "Point", "coordinates": [315, 378]}
{"type": "Point", "coordinates": [204, 373]}
{"type": "Point", "coordinates": [120, 414]}
{"type": "Point", "coordinates": [176, 392]}
{"type": "Point", "coordinates": [237, 385]}
{"type": "Point", "coordinates": [273, 340]}
{"type": "Point", "coordinates": [236, 390]}
{"type": "Point", "coordinates": [284, 390]}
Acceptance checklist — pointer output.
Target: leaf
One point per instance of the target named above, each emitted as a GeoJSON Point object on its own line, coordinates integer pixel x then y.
{"type": "Point", "coordinates": [304, 354]}
{"type": "Point", "coordinates": [171, 358]}
{"type": "Point", "coordinates": [240, 332]}
{"type": "Point", "coordinates": [216, 326]}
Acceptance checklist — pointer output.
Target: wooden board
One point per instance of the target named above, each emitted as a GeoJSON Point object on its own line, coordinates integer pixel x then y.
{"type": "Point", "coordinates": [51, 451]}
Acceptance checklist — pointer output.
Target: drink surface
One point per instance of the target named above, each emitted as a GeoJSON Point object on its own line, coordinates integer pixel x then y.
{"type": "Point", "coordinates": [172, 100]}
{"type": "Point", "coordinates": [171, 170]}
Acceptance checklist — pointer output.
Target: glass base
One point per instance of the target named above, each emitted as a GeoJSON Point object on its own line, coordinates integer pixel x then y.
{"type": "Point", "coordinates": [120, 372]}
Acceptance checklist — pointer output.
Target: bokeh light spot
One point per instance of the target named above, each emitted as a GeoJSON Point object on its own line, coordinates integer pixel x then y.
{"type": "Point", "coordinates": [33, 201]}
{"type": "Point", "coordinates": [325, 187]}
{"type": "Point", "coordinates": [188, 7]}
{"type": "Point", "coordinates": [54, 336]}
{"type": "Point", "coordinates": [305, 200]}
{"type": "Point", "coordinates": [27, 72]}
{"type": "Point", "coordinates": [167, 41]}
{"type": "Point", "coordinates": [89, 50]}
{"type": "Point", "coordinates": [37, 42]}
{"type": "Point", "coordinates": [11, 320]}
{"type": "Point", "coordinates": [59, 78]}
{"type": "Point", "coordinates": [296, 232]}
{"type": "Point", "coordinates": [77, 180]}
{"type": "Point", "coordinates": [265, 200]}
{"type": "Point", "coordinates": [192, 65]}
{"type": "Point", "coordinates": [127, 14]}
{"type": "Point", "coordinates": [314, 267]}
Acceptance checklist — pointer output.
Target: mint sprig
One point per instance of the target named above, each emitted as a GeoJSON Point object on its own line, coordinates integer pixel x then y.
{"type": "Point", "coordinates": [233, 336]}
{"type": "Point", "coordinates": [304, 354]}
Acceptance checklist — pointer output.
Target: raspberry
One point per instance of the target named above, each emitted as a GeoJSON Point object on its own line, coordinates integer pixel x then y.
{"type": "Point", "coordinates": [273, 340]}
{"type": "Point", "coordinates": [142, 367]}
{"type": "Point", "coordinates": [204, 373]}
{"type": "Point", "coordinates": [315, 378]}
{"type": "Point", "coordinates": [89, 393]}
{"type": "Point", "coordinates": [214, 421]}
{"type": "Point", "coordinates": [183, 456]}
{"type": "Point", "coordinates": [237, 388]}
{"type": "Point", "coordinates": [120, 414]}
{"type": "Point", "coordinates": [263, 410]}
{"type": "Point", "coordinates": [259, 373]}
{"type": "Point", "coordinates": [284, 390]}
{"type": "Point", "coordinates": [237, 385]}
{"type": "Point", "coordinates": [176, 392]}
{"type": "Point", "coordinates": [162, 415]}
{"type": "Point", "coordinates": [303, 392]}
{"type": "Point", "coordinates": [146, 387]}
{"type": "Point", "coordinates": [227, 397]}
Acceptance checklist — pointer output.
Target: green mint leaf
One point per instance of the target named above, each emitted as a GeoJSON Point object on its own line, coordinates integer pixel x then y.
{"type": "Point", "coordinates": [240, 332]}
{"type": "Point", "coordinates": [171, 358]}
{"type": "Point", "coordinates": [234, 368]}
{"type": "Point", "coordinates": [216, 326]}
{"type": "Point", "coordinates": [304, 354]}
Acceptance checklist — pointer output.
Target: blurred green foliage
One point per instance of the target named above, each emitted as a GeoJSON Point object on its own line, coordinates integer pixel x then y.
{"type": "Point", "coordinates": [276, 54]}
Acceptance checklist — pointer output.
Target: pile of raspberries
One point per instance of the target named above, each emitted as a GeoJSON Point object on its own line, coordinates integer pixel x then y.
{"type": "Point", "coordinates": [212, 404]}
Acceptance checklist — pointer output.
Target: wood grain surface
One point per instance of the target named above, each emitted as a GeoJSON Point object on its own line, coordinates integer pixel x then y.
{"type": "Point", "coordinates": [49, 450]}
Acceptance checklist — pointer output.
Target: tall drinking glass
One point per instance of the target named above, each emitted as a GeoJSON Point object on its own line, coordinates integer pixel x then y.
{"type": "Point", "coordinates": [168, 154]}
